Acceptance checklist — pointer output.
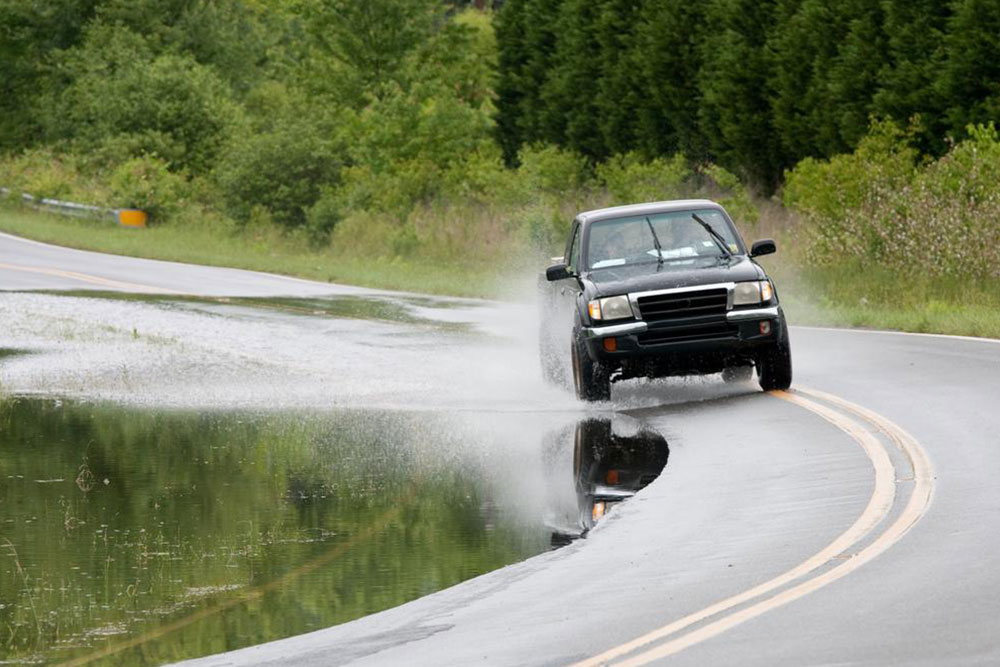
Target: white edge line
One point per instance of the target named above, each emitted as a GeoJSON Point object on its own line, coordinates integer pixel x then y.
{"type": "Point", "coordinates": [887, 332]}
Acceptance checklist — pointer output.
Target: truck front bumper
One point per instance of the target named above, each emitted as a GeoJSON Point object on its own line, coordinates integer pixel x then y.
{"type": "Point", "coordinates": [688, 346]}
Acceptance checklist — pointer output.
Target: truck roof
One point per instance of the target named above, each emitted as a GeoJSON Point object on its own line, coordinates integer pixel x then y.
{"type": "Point", "coordinates": [649, 208]}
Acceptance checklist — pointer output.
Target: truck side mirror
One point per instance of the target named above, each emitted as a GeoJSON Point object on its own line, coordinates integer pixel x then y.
{"type": "Point", "coordinates": [557, 272]}
{"type": "Point", "coordinates": [763, 247]}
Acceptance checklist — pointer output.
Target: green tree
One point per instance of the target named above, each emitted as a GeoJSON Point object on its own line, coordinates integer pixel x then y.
{"type": "Point", "coordinates": [511, 61]}
{"type": "Point", "coordinates": [124, 98]}
{"type": "Point", "coordinates": [669, 39]}
{"type": "Point", "coordinates": [281, 170]}
{"type": "Point", "coordinates": [369, 42]}
{"type": "Point", "coordinates": [915, 53]}
{"type": "Point", "coordinates": [853, 78]}
{"type": "Point", "coordinates": [570, 93]}
{"type": "Point", "coordinates": [526, 30]}
{"type": "Point", "coordinates": [804, 42]}
{"type": "Point", "coordinates": [30, 34]}
{"type": "Point", "coordinates": [620, 83]}
{"type": "Point", "coordinates": [735, 111]}
{"type": "Point", "coordinates": [970, 79]}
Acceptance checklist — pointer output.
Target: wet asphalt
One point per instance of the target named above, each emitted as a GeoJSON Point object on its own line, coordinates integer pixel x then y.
{"type": "Point", "coordinates": [755, 485]}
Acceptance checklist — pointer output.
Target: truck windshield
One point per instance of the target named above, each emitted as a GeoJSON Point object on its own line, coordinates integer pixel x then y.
{"type": "Point", "coordinates": [621, 241]}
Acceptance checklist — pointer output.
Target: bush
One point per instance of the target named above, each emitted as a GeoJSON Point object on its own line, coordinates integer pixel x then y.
{"type": "Point", "coordinates": [883, 161]}
{"type": "Point", "coordinates": [880, 207]}
{"type": "Point", "coordinates": [324, 215]}
{"type": "Point", "coordinates": [630, 179]}
{"type": "Point", "coordinates": [283, 170]}
{"type": "Point", "coordinates": [551, 170]}
{"type": "Point", "coordinates": [40, 173]}
{"type": "Point", "coordinates": [168, 105]}
{"type": "Point", "coordinates": [145, 183]}
{"type": "Point", "coordinates": [731, 194]}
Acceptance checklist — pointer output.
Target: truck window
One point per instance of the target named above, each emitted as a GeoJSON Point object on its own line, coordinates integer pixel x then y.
{"type": "Point", "coordinates": [573, 256]}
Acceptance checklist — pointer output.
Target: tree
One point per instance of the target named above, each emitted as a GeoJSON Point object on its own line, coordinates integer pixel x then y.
{"type": "Point", "coordinates": [526, 32]}
{"type": "Point", "coordinates": [571, 90]}
{"type": "Point", "coordinates": [669, 39]}
{"type": "Point", "coordinates": [853, 77]}
{"type": "Point", "coordinates": [30, 34]}
{"type": "Point", "coordinates": [511, 60]}
{"type": "Point", "coordinates": [915, 53]}
{"type": "Point", "coordinates": [620, 83]}
{"type": "Point", "coordinates": [970, 78]}
{"type": "Point", "coordinates": [735, 111]}
{"type": "Point", "coordinates": [124, 98]}
{"type": "Point", "coordinates": [803, 42]}
{"type": "Point", "coordinates": [369, 41]}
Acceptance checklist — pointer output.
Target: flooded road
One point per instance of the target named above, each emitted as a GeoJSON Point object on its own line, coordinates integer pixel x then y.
{"type": "Point", "coordinates": [183, 475]}
{"type": "Point", "coordinates": [193, 532]}
{"type": "Point", "coordinates": [205, 459]}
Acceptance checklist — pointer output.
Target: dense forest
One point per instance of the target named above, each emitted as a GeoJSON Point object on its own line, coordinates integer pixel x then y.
{"type": "Point", "coordinates": [447, 132]}
{"type": "Point", "coordinates": [267, 105]}
{"type": "Point", "coordinates": [753, 85]}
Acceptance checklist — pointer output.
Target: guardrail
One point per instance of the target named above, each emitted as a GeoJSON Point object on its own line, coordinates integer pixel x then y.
{"type": "Point", "coordinates": [126, 217]}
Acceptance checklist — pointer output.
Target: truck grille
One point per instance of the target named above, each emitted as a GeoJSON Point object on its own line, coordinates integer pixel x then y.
{"type": "Point", "coordinates": [688, 332]}
{"type": "Point", "coordinates": [681, 305]}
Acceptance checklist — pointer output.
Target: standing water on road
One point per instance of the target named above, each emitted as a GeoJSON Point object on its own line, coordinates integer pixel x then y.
{"type": "Point", "coordinates": [161, 536]}
{"type": "Point", "coordinates": [185, 477]}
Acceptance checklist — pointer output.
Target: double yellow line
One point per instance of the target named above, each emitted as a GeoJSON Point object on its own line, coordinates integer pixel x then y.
{"type": "Point", "coordinates": [86, 278]}
{"type": "Point", "coordinates": [810, 575]}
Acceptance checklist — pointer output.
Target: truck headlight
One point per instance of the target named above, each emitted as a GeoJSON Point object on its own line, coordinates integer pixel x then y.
{"type": "Point", "coordinates": [753, 293]}
{"type": "Point", "coordinates": [766, 291]}
{"type": "Point", "coordinates": [610, 308]}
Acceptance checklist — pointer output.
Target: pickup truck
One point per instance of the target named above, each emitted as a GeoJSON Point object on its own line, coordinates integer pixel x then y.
{"type": "Point", "coordinates": [661, 289]}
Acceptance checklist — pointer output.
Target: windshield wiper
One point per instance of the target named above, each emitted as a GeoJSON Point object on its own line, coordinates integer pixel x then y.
{"type": "Point", "coordinates": [719, 241]}
{"type": "Point", "coordinates": [656, 242]}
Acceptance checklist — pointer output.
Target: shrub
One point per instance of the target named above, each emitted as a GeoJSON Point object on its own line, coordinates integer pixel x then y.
{"type": "Point", "coordinates": [167, 105]}
{"type": "Point", "coordinates": [879, 207]}
{"type": "Point", "coordinates": [146, 183]}
{"type": "Point", "coordinates": [629, 178]}
{"type": "Point", "coordinates": [40, 173]}
{"type": "Point", "coordinates": [324, 215]}
{"type": "Point", "coordinates": [731, 194]}
{"type": "Point", "coordinates": [883, 161]}
{"type": "Point", "coordinates": [551, 170]}
{"type": "Point", "coordinates": [283, 170]}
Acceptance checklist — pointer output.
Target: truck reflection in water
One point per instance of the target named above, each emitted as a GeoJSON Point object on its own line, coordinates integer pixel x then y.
{"type": "Point", "coordinates": [612, 459]}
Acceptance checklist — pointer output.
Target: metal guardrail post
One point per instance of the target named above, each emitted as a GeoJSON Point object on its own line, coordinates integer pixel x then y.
{"type": "Point", "coordinates": [126, 217]}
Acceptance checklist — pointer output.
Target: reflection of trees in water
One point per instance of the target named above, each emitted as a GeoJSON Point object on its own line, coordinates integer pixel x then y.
{"type": "Point", "coordinates": [123, 520]}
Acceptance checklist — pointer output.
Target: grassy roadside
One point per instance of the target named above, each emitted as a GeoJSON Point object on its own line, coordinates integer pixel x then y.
{"type": "Point", "coordinates": [843, 296]}
{"type": "Point", "coordinates": [265, 250]}
{"type": "Point", "coordinates": [848, 296]}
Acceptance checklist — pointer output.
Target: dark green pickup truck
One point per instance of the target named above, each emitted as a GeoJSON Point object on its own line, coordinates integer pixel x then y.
{"type": "Point", "coordinates": [661, 289]}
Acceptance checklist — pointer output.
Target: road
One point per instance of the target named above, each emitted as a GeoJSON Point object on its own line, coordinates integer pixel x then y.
{"type": "Point", "coordinates": [853, 520]}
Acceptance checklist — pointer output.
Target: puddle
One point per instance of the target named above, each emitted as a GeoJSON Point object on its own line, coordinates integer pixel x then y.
{"type": "Point", "coordinates": [192, 533]}
{"type": "Point", "coordinates": [132, 536]}
{"type": "Point", "coordinates": [217, 354]}
{"type": "Point", "coordinates": [399, 309]}
{"type": "Point", "coordinates": [219, 473]}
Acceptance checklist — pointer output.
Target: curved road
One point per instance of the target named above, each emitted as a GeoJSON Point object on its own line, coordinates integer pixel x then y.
{"type": "Point", "coordinates": [854, 520]}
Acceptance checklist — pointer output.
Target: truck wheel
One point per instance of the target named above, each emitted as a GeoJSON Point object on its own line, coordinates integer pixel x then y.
{"type": "Point", "coordinates": [737, 374]}
{"type": "Point", "coordinates": [592, 381]}
{"type": "Point", "coordinates": [774, 367]}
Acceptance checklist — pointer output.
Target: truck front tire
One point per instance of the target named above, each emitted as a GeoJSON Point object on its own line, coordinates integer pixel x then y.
{"type": "Point", "coordinates": [591, 379]}
{"type": "Point", "coordinates": [774, 367]}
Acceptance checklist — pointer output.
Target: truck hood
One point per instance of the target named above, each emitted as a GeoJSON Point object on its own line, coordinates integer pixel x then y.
{"type": "Point", "coordinates": [652, 276]}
